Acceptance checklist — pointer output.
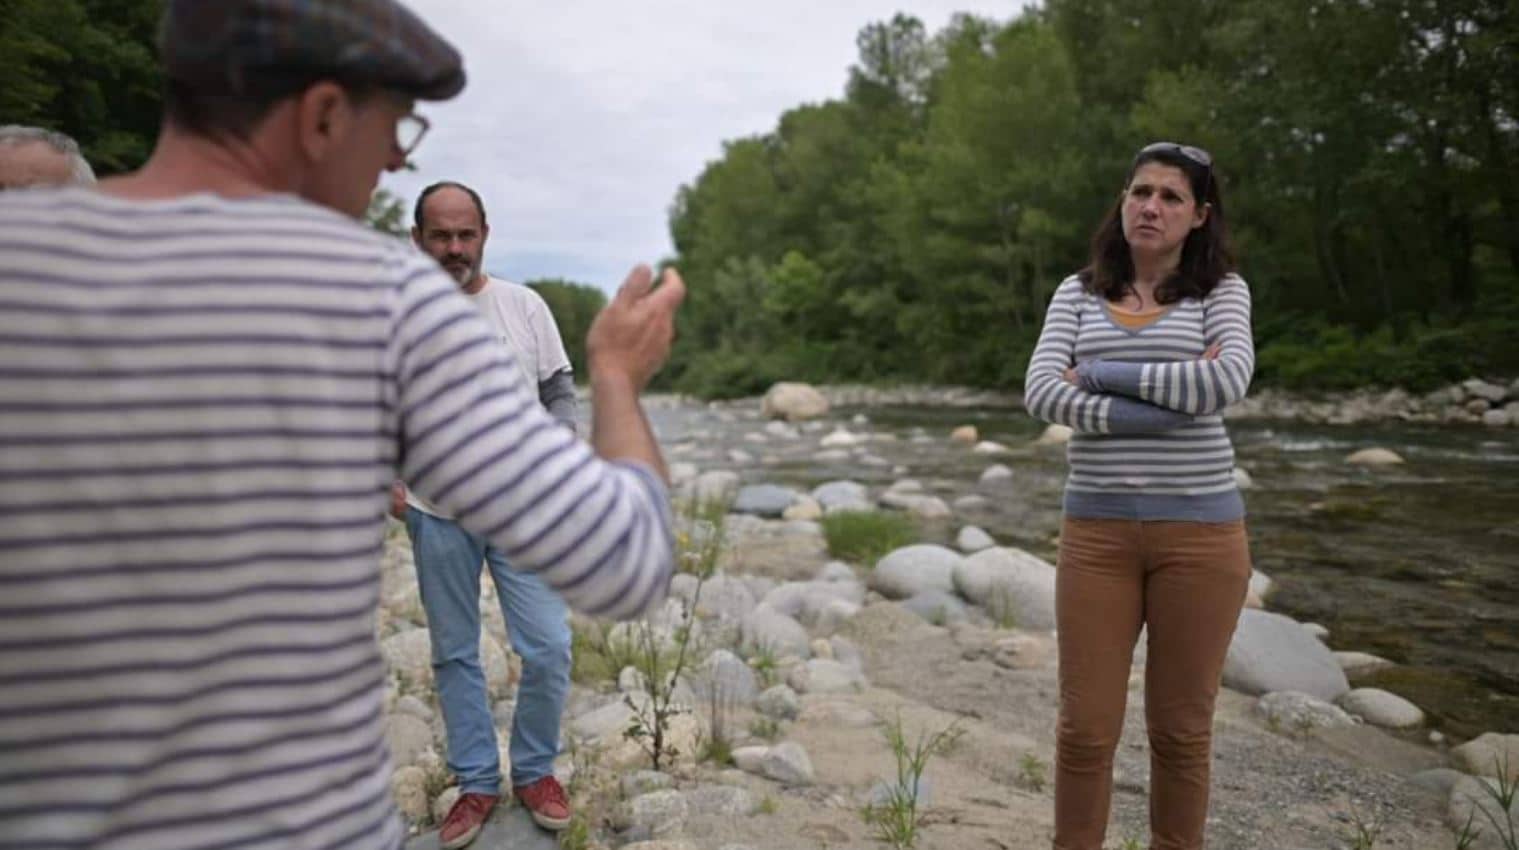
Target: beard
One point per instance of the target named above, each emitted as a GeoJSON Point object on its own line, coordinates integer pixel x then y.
{"type": "Point", "coordinates": [462, 269]}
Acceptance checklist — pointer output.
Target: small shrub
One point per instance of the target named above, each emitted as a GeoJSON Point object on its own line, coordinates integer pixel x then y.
{"type": "Point", "coordinates": [1031, 772]}
{"type": "Point", "coordinates": [896, 819]}
{"type": "Point", "coordinates": [766, 728]}
{"type": "Point", "coordinates": [864, 537]}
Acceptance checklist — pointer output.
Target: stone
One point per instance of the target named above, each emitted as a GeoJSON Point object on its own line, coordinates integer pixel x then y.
{"type": "Point", "coordinates": [831, 456]}
{"type": "Point", "coordinates": [1357, 664]}
{"type": "Point", "coordinates": [728, 676]}
{"type": "Point", "coordinates": [805, 600]}
{"type": "Point", "coordinates": [911, 570]}
{"type": "Point", "coordinates": [409, 655]}
{"type": "Point", "coordinates": [972, 539]}
{"type": "Point", "coordinates": [720, 801]}
{"type": "Point", "coordinates": [988, 447]}
{"type": "Point", "coordinates": [766, 628]}
{"type": "Point", "coordinates": [782, 431]}
{"type": "Point", "coordinates": [605, 722]}
{"type": "Point", "coordinates": [662, 813]}
{"type": "Point", "coordinates": [996, 475]}
{"type": "Point", "coordinates": [739, 457]}
{"type": "Point", "coordinates": [822, 676]}
{"type": "Point", "coordinates": [1478, 388]}
{"type": "Point", "coordinates": [965, 435]}
{"type": "Point", "coordinates": [408, 738]}
{"type": "Point", "coordinates": [840, 438]}
{"type": "Point", "coordinates": [723, 597]}
{"type": "Point", "coordinates": [779, 702]}
{"type": "Point", "coordinates": [837, 496]}
{"type": "Point", "coordinates": [906, 485]}
{"type": "Point", "coordinates": [1497, 419]}
{"type": "Point", "coordinates": [1260, 585]}
{"type": "Point", "coordinates": [1291, 711]}
{"type": "Point", "coordinates": [443, 803]}
{"type": "Point", "coordinates": [845, 652]}
{"type": "Point", "coordinates": [1011, 585]}
{"type": "Point", "coordinates": [971, 502]}
{"type": "Point", "coordinates": [766, 500]}
{"type": "Point", "coordinates": [937, 607]}
{"type": "Point", "coordinates": [1242, 479]}
{"type": "Point", "coordinates": [1374, 457]}
{"type": "Point", "coordinates": [926, 507]}
{"type": "Point", "coordinates": [409, 788]}
{"type": "Point", "coordinates": [793, 402]}
{"type": "Point", "coordinates": [1439, 780]}
{"type": "Point", "coordinates": [786, 763]}
{"type": "Point", "coordinates": [1380, 708]}
{"type": "Point", "coordinates": [1473, 800]}
{"type": "Point", "coordinates": [1486, 754]}
{"type": "Point", "coordinates": [1271, 652]}
{"type": "Point", "coordinates": [415, 707]}
{"type": "Point", "coordinates": [804, 508]}
{"type": "Point", "coordinates": [835, 571]}
{"type": "Point", "coordinates": [1055, 435]}
{"type": "Point", "coordinates": [1319, 632]}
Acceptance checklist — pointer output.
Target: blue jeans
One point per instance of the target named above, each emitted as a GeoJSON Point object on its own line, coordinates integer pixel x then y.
{"type": "Point", "coordinates": [448, 572]}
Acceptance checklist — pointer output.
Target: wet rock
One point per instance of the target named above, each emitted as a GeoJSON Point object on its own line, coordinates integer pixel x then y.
{"type": "Point", "coordinates": [1357, 664]}
{"type": "Point", "coordinates": [1374, 457]}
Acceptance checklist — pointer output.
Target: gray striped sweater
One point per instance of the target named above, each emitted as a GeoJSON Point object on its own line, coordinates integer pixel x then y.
{"type": "Point", "coordinates": [1150, 442]}
{"type": "Point", "coordinates": [203, 403]}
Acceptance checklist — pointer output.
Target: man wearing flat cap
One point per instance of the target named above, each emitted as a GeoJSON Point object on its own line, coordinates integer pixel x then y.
{"type": "Point", "coordinates": [210, 373]}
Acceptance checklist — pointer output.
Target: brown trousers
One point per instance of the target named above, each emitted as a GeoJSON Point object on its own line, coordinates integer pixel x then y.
{"type": "Point", "coordinates": [1184, 581]}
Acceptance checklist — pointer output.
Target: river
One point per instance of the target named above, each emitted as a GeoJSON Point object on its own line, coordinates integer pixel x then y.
{"type": "Point", "coordinates": [1417, 563]}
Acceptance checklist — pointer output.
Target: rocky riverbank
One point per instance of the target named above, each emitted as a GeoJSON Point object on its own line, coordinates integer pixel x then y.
{"type": "Point", "coordinates": [817, 659]}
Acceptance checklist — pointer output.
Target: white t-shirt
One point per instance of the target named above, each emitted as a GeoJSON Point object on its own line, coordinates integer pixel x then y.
{"type": "Point", "coordinates": [522, 322]}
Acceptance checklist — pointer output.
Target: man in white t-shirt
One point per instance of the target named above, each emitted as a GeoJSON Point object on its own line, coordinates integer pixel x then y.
{"type": "Point", "coordinates": [450, 226]}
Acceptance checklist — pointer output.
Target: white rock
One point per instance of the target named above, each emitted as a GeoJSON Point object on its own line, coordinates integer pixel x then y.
{"type": "Point", "coordinates": [409, 788]}
{"type": "Point", "coordinates": [1319, 631]}
{"type": "Point", "coordinates": [1484, 755]}
{"type": "Point", "coordinates": [905, 485]}
{"type": "Point", "coordinates": [782, 431]}
{"type": "Point", "coordinates": [739, 457]}
{"type": "Point", "coordinates": [720, 801]}
{"type": "Point", "coordinates": [1055, 435]}
{"type": "Point", "coordinates": [840, 438]}
{"type": "Point", "coordinates": [646, 781]}
{"type": "Point", "coordinates": [1478, 388]}
{"type": "Point", "coordinates": [831, 456]}
{"type": "Point", "coordinates": [786, 763]}
{"type": "Point", "coordinates": [779, 702]}
{"type": "Point", "coordinates": [1472, 801]}
{"type": "Point", "coordinates": [793, 402]}
{"type": "Point", "coordinates": [996, 475]}
{"type": "Point", "coordinates": [836, 571]}
{"type": "Point", "coordinates": [822, 676]}
{"type": "Point", "coordinates": [804, 508]}
{"type": "Point", "coordinates": [1374, 457]}
{"type": "Point", "coordinates": [718, 485]}
{"type": "Point", "coordinates": [836, 496]}
{"type": "Point", "coordinates": [605, 722]}
{"type": "Point", "coordinates": [1380, 708]}
{"type": "Point", "coordinates": [988, 447]}
{"type": "Point", "coordinates": [1497, 419]}
{"type": "Point", "coordinates": [1010, 584]}
{"type": "Point", "coordinates": [1291, 711]}
{"type": "Point", "coordinates": [1270, 652]}
{"type": "Point", "coordinates": [727, 675]}
{"type": "Point", "coordinates": [937, 607]}
{"type": "Point", "coordinates": [1242, 479]}
{"type": "Point", "coordinates": [662, 813]}
{"type": "Point", "coordinates": [971, 502]}
{"type": "Point", "coordinates": [1357, 664]}
{"type": "Point", "coordinates": [766, 628]}
{"type": "Point", "coordinates": [972, 539]}
{"type": "Point", "coordinates": [911, 570]}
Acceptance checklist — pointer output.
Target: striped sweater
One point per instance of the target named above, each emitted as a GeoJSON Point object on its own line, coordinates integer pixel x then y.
{"type": "Point", "coordinates": [203, 403]}
{"type": "Point", "coordinates": [1150, 442]}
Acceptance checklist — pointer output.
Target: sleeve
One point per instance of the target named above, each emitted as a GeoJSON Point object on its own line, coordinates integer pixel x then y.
{"type": "Point", "coordinates": [1196, 387]}
{"type": "Point", "coordinates": [557, 395]}
{"type": "Point", "coordinates": [474, 441]}
{"type": "Point", "coordinates": [552, 358]}
{"type": "Point", "coordinates": [1048, 396]}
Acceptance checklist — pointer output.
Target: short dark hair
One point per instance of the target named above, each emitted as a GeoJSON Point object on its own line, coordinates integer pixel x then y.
{"type": "Point", "coordinates": [416, 213]}
{"type": "Point", "coordinates": [1205, 257]}
{"type": "Point", "coordinates": [219, 113]}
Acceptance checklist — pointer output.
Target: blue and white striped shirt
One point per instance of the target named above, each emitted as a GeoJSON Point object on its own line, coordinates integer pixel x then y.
{"type": "Point", "coordinates": [203, 403]}
{"type": "Point", "coordinates": [1150, 442]}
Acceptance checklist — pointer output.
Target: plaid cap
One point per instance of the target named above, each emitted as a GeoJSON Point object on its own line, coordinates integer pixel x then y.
{"type": "Point", "coordinates": [241, 46]}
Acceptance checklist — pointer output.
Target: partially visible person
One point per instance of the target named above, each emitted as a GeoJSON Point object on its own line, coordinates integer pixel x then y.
{"type": "Point", "coordinates": [212, 373]}
{"type": "Point", "coordinates": [33, 156]}
{"type": "Point", "coordinates": [451, 227]}
{"type": "Point", "coordinates": [1140, 353]}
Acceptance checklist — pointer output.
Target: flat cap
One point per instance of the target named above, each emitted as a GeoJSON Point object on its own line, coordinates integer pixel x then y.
{"type": "Point", "coordinates": [243, 46]}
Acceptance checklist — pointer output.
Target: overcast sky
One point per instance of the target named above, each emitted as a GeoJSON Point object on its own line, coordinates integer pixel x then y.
{"type": "Point", "coordinates": [583, 117]}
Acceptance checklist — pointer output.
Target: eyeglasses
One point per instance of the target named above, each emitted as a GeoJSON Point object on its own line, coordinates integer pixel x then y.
{"type": "Point", "coordinates": [1195, 154]}
{"type": "Point", "coordinates": [409, 132]}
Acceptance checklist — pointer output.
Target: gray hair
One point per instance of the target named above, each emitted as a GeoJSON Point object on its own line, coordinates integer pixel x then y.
{"type": "Point", "coordinates": [15, 135]}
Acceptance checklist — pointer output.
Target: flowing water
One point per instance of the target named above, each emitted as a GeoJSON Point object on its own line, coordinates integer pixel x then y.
{"type": "Point", "coordinates": [1417, 563]}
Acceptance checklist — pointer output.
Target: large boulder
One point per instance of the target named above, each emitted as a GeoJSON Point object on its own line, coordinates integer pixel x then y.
{"type": "Point", "coordinates": [1486, 754]}
{"type": "Point", "coordinates": [1290, 711]}
{"type": "Point", "coordinates": [972, 539]}
{"type": "Point", "coordinates": [1477, 801]}
{"type": "Point", "coordinates": [1011, 585]}
{"type": "Point", "coordinates": [793, 402]}
{"type": "Point", "coordinates": [1374, 457]}
{"type": "Point", "coordinates": [911, 570]}
{"type": "Point", "coordinates": [1272, 652]}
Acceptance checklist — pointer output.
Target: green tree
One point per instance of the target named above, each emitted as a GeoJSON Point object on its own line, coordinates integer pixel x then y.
{"type": "Point", "coordinates": [574, 306]}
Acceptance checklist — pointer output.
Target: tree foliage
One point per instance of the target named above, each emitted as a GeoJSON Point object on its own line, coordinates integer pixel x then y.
{"type": "Point", "coordinates": [574, 306]}
{"type": "Point", "coordinates": [914, 227]}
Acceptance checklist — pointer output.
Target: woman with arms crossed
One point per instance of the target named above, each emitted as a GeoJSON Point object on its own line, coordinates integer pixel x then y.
{"type": "Point", "coordinates": [1140, 353]}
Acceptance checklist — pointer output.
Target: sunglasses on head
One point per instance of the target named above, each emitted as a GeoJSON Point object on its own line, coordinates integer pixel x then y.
{"type": "Point", "coordinates": [1195, 154]}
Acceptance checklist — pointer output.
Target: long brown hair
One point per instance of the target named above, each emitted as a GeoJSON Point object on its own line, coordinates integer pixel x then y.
{"type": "Point", "coordinates": [1205, 256]}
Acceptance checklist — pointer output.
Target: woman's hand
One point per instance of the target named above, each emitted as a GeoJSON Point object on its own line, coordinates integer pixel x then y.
{"type": "Point", "coordinates": [1071, 377]}
{"type": "Point", "coordinates": [1213, 351]}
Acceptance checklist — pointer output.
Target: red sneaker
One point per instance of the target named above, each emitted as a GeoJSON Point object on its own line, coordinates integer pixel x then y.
{"type": "Point", "coordinates": [465, 820]}
{"type": "Point", "coordinates": [546, 802]}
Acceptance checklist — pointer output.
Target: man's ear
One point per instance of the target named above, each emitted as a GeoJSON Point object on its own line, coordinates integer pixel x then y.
{"type": "Point", "coordinates": [324, 116]}
{"type": "Point", "coordinates": [416, 236]}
